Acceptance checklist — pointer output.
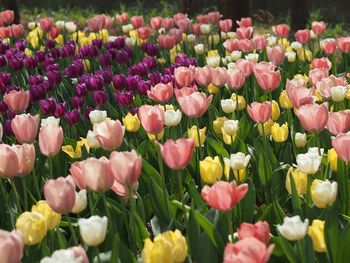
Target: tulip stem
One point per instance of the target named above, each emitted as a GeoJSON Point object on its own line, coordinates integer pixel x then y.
{"type": "Point", "coordinates": [97, 255]}
{"type": "Point", "coordinates": [12, 182]}
{"type": "Point", "coordinates": [179, 179]}
{"type": "Point", "coordinates": [75, 239]}
{"type": "Point", "coordinates": [161, 170]}
{"type": "Point", "coordinates": [229, 223]}
{"type": "Point", "coordinates": [237, 106]}
{"type": "Point", "coordinates": [50, 168]}
{"type": "Point", "coordinates": [108, 212]}
{"type": "Point", "coordinates": [25, 196]}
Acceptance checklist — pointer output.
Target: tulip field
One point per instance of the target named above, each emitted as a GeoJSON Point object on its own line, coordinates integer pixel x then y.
{"type": "Point", "coordinates": [173, 139]}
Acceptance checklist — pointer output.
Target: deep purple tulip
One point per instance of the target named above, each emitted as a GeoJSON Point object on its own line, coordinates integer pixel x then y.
{"type": "Point", "coordinates": [37, 92]}
{"type": "Point", "coordinates": [31, 62]}
{"type": "Point", "coordinates": [77, 102]}
{"type": "Point", "coordinates": [16, 64]}
{"type": "Point", "coordinates": [151, 62]}
{"type": "Point", "coordinates": [100, 97]}
{"type": "Point", "coordinates": [132, 82]}
{"type": "Point", "coordinates": [75, 69]}
{"type": "Point", "coordinates": [87, 112]}
{"type": "Point", "coordinates": [5, 80]}
{"type": "Point", "coordinates": [154, 77]}
{"type": "Point", "coordinates": [81, 90]}
{"type": "Point", "coordinates": [54, 77]}
{"type": "Point", "coordinates": [96, 82]}
{"type": "Point", "coordinates": [107, 75]}
{"type": "Point", "coordinates": [40, 55]}
{"type": "Point", "coordinates": [4, 47]}
{"type": "Point", "coordinates": [55, 52]}
{"type": "Point", "coordinates": [52, 67]}
{"type": "Point", "coordinates": [7, 128]}
{"type": "Point", "coordinates": [134, 111]}
{"type": "Point", "coordinates": [119, 82]}
{"type": "Point", "coordinates": [3, 61]}
{"type": "Point", "coordinates": [50, 43]}
{"type": "Point", "coordinates": [97, 43]}
{"type": "Point", "coordinates": [48, 106]}
{"type": "Point", "coordinates": [21, 44]}
{"type": "Point", "coordinates": [3, 107]}
{"type": "Point", "coordinates": [124, 98]}
{"type": "Point", "coordinates": [119, 43]}
{"type": "Point", "coordinates": [73, 116]}
{"type": "Point", "coordinates": [122, 57]}
{"type": "Point", "coordinates": [10, 114]}
{"type": "Point", "coordinates": [143, 86]}
{"type": "Point", "coordinates": [60, 109]}
{"type": "Point", "coordinates": [105, 59]}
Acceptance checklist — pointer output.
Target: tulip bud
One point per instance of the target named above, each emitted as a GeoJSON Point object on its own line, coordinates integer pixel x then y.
{"type": "Point", "coordinates": [50, 140]}
{"type": "Point", "coordinates": [131, 122]}
{"type": "Point", "coordinates": [316, 232]}
{"type": "Point", "coordinates": [236, 55]}
{"type": "Point", "coordinates": [210, 170]}
{"type": "Point", "coordinates": [51, 217]}
{"type": "Point", "coordinates": [338, 93]}
{"type": "Point", "coordinates": [50, 120]}
{"type": "Point", "coordinates": [310, 162]}
{"type": "Point", "coordinates": [231, 127]}
{"type": "Point", "coordinates": [97, 116]}
{"type": "Point", "coordinates": [323, 193]}
{"type": "Point", "coordinates": [291, 56]}
{"type": "Point", "coordinates": [265, 128]}
{"type": "Point", "coordinates": [212, 88]}
{"type": "Point", "coordinates": [241, 101]}
{"type": "Point", "coordinates": [199, 49]}
{"type": "Point", "coordinates": [33, 227]}
{"type": "Point", "coordinates": [93, 230]}
{"type": "Point", "coordinates": [218, 124]}
{"type": "Point", "coordinates": [193, 133]}
{"type": "Point", "coordinates": [228, 105]}
{"type": "Point", "coordinates": [71, 27]}
{"type": "Point", "coordinates": [284, 100]}
{"type": "Point", "coordinates": [92, 141]}
{"type": "Point", "coordinates": [296, 45]}
{"type": "Point", "coordinates": [332, 158]}
{"type": "Point", "coordinates": [172, 118]}
{"type": "Point", "coordinates": [80, 202]}
{"type": "Point", "coordinates": [67, 255]}
{"type": "Point", "coordinates": [205, 29]}
{"type": "Point", "coordinates": [238, 160]}
{"type": "Point", "coordinates": [252, 57]}
{"type": "Point", "coordinates": [300, 181]}
{"type": "Point", "coordinates": [31, 25]}
{"type": "Point", "coordinates": [293, 228]}
{"type": "Point", "coordinates": [279, 133]}
{"type": "Point", "coordinates": [275, 111]}
{"type": "Point", "coordinates": [300, 139]}
{"type": "Point", "coordinates": [213, 61]}
{"type": "Point", "coordinates": [191, 38]}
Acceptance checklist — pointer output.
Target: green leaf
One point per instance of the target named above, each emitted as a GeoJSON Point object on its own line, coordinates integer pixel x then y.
{"type": "Point", "coordinates": [289, 252]}
{"type": "Point", "coordinates": [150, 173]}
{"type": "Point", "coordinates": [343, 252]}
{"type": "Point", "coordinates": [295, 198]}
{"type": "Point", "coordinates": [193, 233]}
{"type": "Point", "coordinates": [331, 233]}
{"type": "Point", "coordinates": [247, 204]}
{"type": "Point", "coordinates": [218, 147]}
{"type": "Point", "coordinates": [141, 230]}
{"type": "Point", "coordinates": [161, 207]}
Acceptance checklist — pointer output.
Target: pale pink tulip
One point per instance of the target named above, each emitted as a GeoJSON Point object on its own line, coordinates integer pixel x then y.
{"type": "Point", "coordinates": [321, 63]}
{"type": "Point", "coordinates": [179, 16]}
{"type": "Point", "coordinates": [218, 76]}
{"type": "Point", "coordinates": [7, 17]}
{"type": "Point", "coordinates": [151, 118]}
{"type": "Point", "coordinates": [231, 45]}
{"type": "Point", "coordinates": [184, 76]}
{"type": "Point", "coordinates": [338, 122]}
{"type": "Point", "coordinates": [166, 41]}
{"type": "Point", "coordinates": [50, 140]}
{"type": "Point", "coordinates": [245, 22]}
{"type": "Point", "coordinates": [247, 66]}
{"type": "Point", "coordinates": [268, 80]}
{"type": "Point", "coordinates": [298, 93]}
{"type": "Point", "coordinates": [281, 30]}
{"type": "Point", "coordinates": [17, 101]}
{"type": "Point", "coordinates": [329, 45]}
{"type": "Point", "coordinates": [259, 42]}
{"type": "Point", "coordinates": [161, 93]}
{"type": "Point", "coordinates": [341, 145]}
{"type": "Point", "coordinates": [246, 45]}
{"type": "Point", "coordinates": [313, 117]}
{"type": "Point", "coordinates": [303, 36]}
{"type": "Point", "coordinates": [156, 22]}
{"type": "Point", "coordinates": [244, 32]}
{"type": "Point", "coordinates": [235, 78]}
{"type": "Point", "coordinates": [318, 27]}
{"type": "Point", "coordinates": [317, 74]}
{"type": "Point", "coordinates": [203, 76]}
{"type": "Point", "coordinates": [136, 21]}
{"type": "Point", "coordinates": [260, 112]}
{"type": "Point", "coordinates": [167, 22]}
{"type": "Point", "coordinates": [225, 25]}
{"type": "Point", "coordinates": [325, 85]}
{"type": "Point", "coordinates": [11, 246]}
{"type": "Point", "coordinates": [276, 55]}
{"type": "Point", "coordinates": [109, 134]}
{"type": "Point", "coordinates": [185, 91]}
{"type": "Point", "coordinates": [194, 105]}
{"type": "Point", "coordinates": [25, 127]}
{"type": "Point", "coordinates": [122, 18]}
{"type": "Point", "coordinates": [184, 25]}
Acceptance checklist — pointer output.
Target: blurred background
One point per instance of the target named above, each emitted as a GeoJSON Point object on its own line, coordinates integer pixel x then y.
{"type": "Point", "coordinates": [264, 12]}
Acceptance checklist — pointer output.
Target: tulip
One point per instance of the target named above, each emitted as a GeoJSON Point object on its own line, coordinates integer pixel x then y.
{"type": "Point", "coordinates": [265, 128]}
{"type": "Point", "coordinates": [313, 117]}
{"type": "Point", "coordinates": [25, 127]}
{"type": "Point", "coordinates": [223, 196]}
{"type": "Point", "coordinates": [259, 230]}
{"type": "Point", "coordinates": [11, 246]}
{"type": "Point", "coordinates": [197, 136]}
{"type": "Point", "coordinates": [122, 18]}
{"type": "Point", "coordinates": [293, 228]}
{"type": "Point", "coordinates": [80, 202]}
{"type": "Point", "coordinates": [323, 193]}
{"type": "Point", "coordinates": [238, 161]}
{"type": "Point", "coordinates": [276, 55]}
{"type": "Point", "coordinates": [244, 32]}
{"type": "Point", "coordinates": [225, 25]}
{"type": "Point", "coordinates": [300, 139]}
{"type": "Point", "coordinates": [230, 127]}
{"type": "Point", "coordinates": [300, 181]}
{"type": "Point", "coordinates": [218, 124]}
{"type": "Point", "coordinates": [195, 104]}
{"type": "Point", "coordinates": [177, 154]}
{"type": "Point", "coordinates": [33, 227]}
{"type": "Point", "coordinates": [281, 30]}
{"type": "Point", "coordinates": [46, 24]}
{"type": "Point", "coordinates": [302, 36]}
{"type": "Point", "coordinates": [316, 232]}
{"type": "Point", "coordinates": [72, 255]}
{"type": "Point", "coordinates": [268, 80]}
{"type": "Point", "coordinates": [310, 162]}
{"type": "Point", "coordinates": [92, 141]}
{"type": "Point", "coordinates": [161, 93]}
{"type": "Point", "coordinates": [275, 111]}
{"type": "Point", "coordinates": [279, 133]}
{"type": "Point", "coordinates": [50, 140]}
{"type": "Point", "coordinates": [341, 144]}
{"type": "Point", "coordinates": [218, 76]}
{"type": "Point", "coordinates": [291, 56]}
{"type": "Point", "coordinates": [60, 194]}
{"type": "Point", "coordinates": [52, 218]}
{"type": "Point", "coordinates": [172, 118]}
{"type": "Point", "coordinates": [126, 170]}
{"type": "Point", "coordinates": [299, 95]}
{"type": "Point", "coordinates": [235, 78]}
{"type": "Point", "coordinates": [97, 116]}
{"type": "Point", "coordinates": [318, 27]}
{"type": "Point", "coordinates": [338, 93]}
{"type": "Point", "coordinates": [228, 105]}
{"type": "Point", "coordinates": [321, 63]}
{"type": "Point", "coordinates": [284, 100]}
{"type": "Point", "coordinates": [184, 76]}
{"type": "Point", "coordinates": [1, 132]}
{"type": "Point", "coordinates": [203, 76]}
{"type": "Point", "coordinates": [7, 16]}
{"type": "Point", "coordinates": [328, 45]}
{"type": "Point", "coordinates": [17, 101]}
{"type": "Point", "coordinates": [325, 85]}
{"type": "Point", "coordinates": [93, 230]}
{"type": "Point", "coordinates": [259, 42]}
{"type": "Point", "coordinates": [109, 134]}
{"type": "Point", "coordinates": [332, 159]}
{"type": "Point", "coordinates": [260, 112]}
{"type": "Point", "coordinates": [210, 170]}
{"type": "Point", "coordinates": [317, 74]}
{"type": "Point", "coordinates": [152, 118]}
{"type": "Point", "coordinates": [338, 122]}
{"type": "Point", "coordinates": [131, 122]}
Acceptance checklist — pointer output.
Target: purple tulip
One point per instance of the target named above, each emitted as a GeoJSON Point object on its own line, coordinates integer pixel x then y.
{"type": "Point", "coordinates": [143, 86]}
{"type": "Point", "coordinates": [41, 55]}
{"type": "Point", "coordinates": [48, 106]}
{"type": "Point", "coordinates": [96, 82]}
{"type": "Point", "coordinates": [119, 82]}
{"type": "Point", "coordinates": [132, 82]}
{"type": "Point", "coordinates": [99, 97]}
{"type": "Point", "coordinates": [77, 102]}
{"type": "Point", "coordinates": [97, 43]}
{"type": "Point", "coordinates": [7, 128]}
{"type": "Point", "coordinates": [37, 92]}
{"type": "Point", "coordinates": [3, 61]}
{"type": "Point", "coordinates": [3, 107]}
{"type": "Point", "coordinates": [107, 75]}
{"type": "Point", "coordinates": [5, 80]}
{"type": "Point", "coordinates": [73, 116]}
{"type": "Point", "coordinates": [31, 62]}
{"type": "Point", "coordinates": [60, 109]}
{"type": "Point", "coordinates": [75, 69]}
{"type": "Point", "coordinates": [134, 111]}
{"type": "Point", "coordinates": [105, 59]}
{"type": "Point", "coordinates": [124, 98]}
{"type": "Point", "coordinates": [16, 63]}
{"type": "Point", "coordinates": [81, 90]}
{"type": "Point", "coordinates": [50, 43]}
{"type": "Point", "coordinates": [54, 77]}
{"type": "Point", "coordinates": [10, 114]}
{"type": "Point", "coordinates": [87, 112]}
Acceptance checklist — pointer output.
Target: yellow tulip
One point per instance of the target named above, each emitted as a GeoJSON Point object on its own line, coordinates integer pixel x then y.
{"type": "Point", "coordinates": [213, 53]}
{"type": "Point", "coordinates": [131, 122]}
{"type": "Point", "coordinates": [283, 42]}
{"type": "Point", "coordinates": [304, 77]}
{"type": "Point", "coordinates": [241, 101]}
{"type": "Point", "coordinates": [210, 170]}
{"type": "Point", "coordinates": [193, 133]}
{"type": "Point", "coordinates": [51, 217]}
{"type": "Point", "coordinates": [238, 174]}
{"type": "Point", "coordinates": [347, 95]}
{"type": "Point", "coordinates": [28, 52]}
{"type": "Point", "coordinates": [265, 128]}
{"type": "Point", "coordinates": [169, 107]}
{"type": "Point", "coordinates": [157, 251]}
{"type": "Point", "coordinates": [218, 124]}
{"type": "Point", "coordinates": [59, 40]}
{"type": "Point", "coordinates": [161, 60]}
{"type": "Point", "coordinates": [33, 227]}
{"type": "Point", "coordinates": [300, 181]}
{"type": "Point", "coordinates": [177, 242]}
{"type": "Point", "coordinates": [332, 158]}
{"type": "Point", "coordinates": [227, 138]}
{"type": "Point", "coordinates": [318, 95]}
{"type": "Point", "coordinates": [77, 153]}
{"type": "Point", "coordinates": [300, 53]}
{"type": "Point", "coordinates": [279, 133]}
{"type": "Point", "coordinates": [154, 137]}
{"type": "Point", "coordinates": [212, 88]}
{"type": "Point", "coordinates": [275, 111]}
{"type": "Point", "coordinates": [316, 232]}
{"type": "Point", "coordinates": [215, 39]}
{"type": "Point", "coordinates": [285, 101]}
{"type": "Point", "coordinates": [104, 35]}
{"type": "Point", "coordinates": [86, 64]}
{"type": "Point", "coordinates": [34, 41]}
{"type": "Point", "coordinates": [323, 193]}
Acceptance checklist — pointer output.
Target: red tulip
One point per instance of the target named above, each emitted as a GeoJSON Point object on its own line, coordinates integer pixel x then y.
{"type": "Point", "coordinates": [122, 18]}
{"type": "Point", "coordinates": [223, 196]}
{"type": "Point", "coordinates": [298, 93]}
{"type": "Point", "coordinates": [248, 250]}
{"type": "Point", "coordinates": [341, 145]}
{"type": "Point", "coordinates": [178, 16]}
{"type": "Point", "coordinates": [318, 27]}
{"type": "Point", "coordinates": [225, 25]}
{"type": "Point", "coordinates": [136, 21]}
{"type": "Point", "coordinates": [321, 63]}
{"type": "Point", "coordinates": [46, 24]}
{"type": "Point", "coordinates": [259, 230]}
{"type": "Point", "coordinates": [344, 44]}
{"type": "Point", "coordinates": [194, 105]}
{"type": "Point", "coordinates": [245, 21]}
{"type": "Point", "coordinates": [60, 194]}
{"type": "Point", "coordinates": [7, 17]}
{"type": "Point", "coordinates": [203, 76]}
{"type": "Point", "coordinates": [184, 76]}
{"type": "Point", "coordinates": [214, 17]}
{"type": "Point", "coordinates": [144, 32]}
{"type": "Point", "coordinates": [25, 127]}
{"type": "Point", "coordinates": [54, 32]}
{"type": "Point", "coordinates": [166, 41]}
{"type": "Point", "coordinates": [329, 45]}
{"type": "Point", "coordinates": [244, 32]}
{"type": "Point", "coordinates": [338, 122]}
{"type": "Point", "coordinates": [50, 140]}
{"type": "Point", "coordinates": [276, 55]}
{"type": "Point", "coordinates": [167, 22]}
{"type": "Point", "coordinates": [313, 117]}
{"type": "Point", "coordinates": [11, 246]}
{"type": "Point", "coordinates": [260, 112]}
{"type": "Point", "coordinates": [151, 118]}
{"type": "Point", "coordinates": [156, 22]}
{"type": "Point", "coordinates": [17, 101]}
{"type": "Point", "coordinates": [17, 30]}
{"type": "Point", "coordinates": [281, 30]}
{"type": "Point", "coordinates": [177, 154]}
{"type": "Point", "coordinates": [302, 36]}
{"type": "Point", "coordinates": [161, 93]}
{"type": "Point", "coordinates": [184, 25]}
{"type": "Point", "coordinates": [202, 19]}
{"type": "Point", "coordinates": [235, 78]}
{"type": "Point", "coordinates": [109, 134]}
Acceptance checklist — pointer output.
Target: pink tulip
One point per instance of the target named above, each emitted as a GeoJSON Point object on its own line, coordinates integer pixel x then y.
{"type": "Point", "coordinates": [79, 252]}
{"type": "Point", "coordinates": [302, 36]}
{"type": "Point", "coordinates": [194, 105]}
{"type": "Point", "coordinates": [76, 172]}
{"type": "Point", "coordinates": [223, 196]}
{"type": "Point", "coordinates": [259, 42]}
{"type": "Point", "coordinates": [108, 22]}
{"type": "Point", "coordinates": [185, 91]}
{"type": "Point", "coordinates": [329, 45]}
{"type": "Point", "coordinates": [344, 44]}
{"type": "Point", "coordinates": [177, 154]}
{"type": "Point", "coordinates": [179, 16]}
{"type": "Point", "coordinates": [259, 230]}
{"type": "Point", "coordinates": [268, 80]}
{"type": "Point", "coordinates": [184, 76]}
{"type": "Point", "coordinates": [122, 18]}
{"type": "Point", "coordinates": [46, 24]}
{"type": "Point", "coordinates": [50, 140]}
{"type": "Point", "coordinates": [60, 194]}
{"type": "Point", "coordinates": [196, 29]}
{"type": "Point", "coordinates": [281, 30]}
{"type": "Point", "coordinates": [245, 22]}
{"type": "Point", "coordinates": [341, 145]}
{"type": "Point", "coordinates": [177, 33]}
{"type": "Point", "coordinates": [151, 118]}
{"type": "Point", "coordinates": [109, 134]}
{"type": "Point", "coordinates": [17, 30]}
{"type": "Point", "coordinates": [203, 19]}
{"type": "Point", "coordinates": [263, 66]}
{"type": "Point", "coordinates": [214, 17]}
{"type": "Point", "coordinates": [184, 25]}
{"type": "Point", "coordinates": [218, 76]}
{"type": "Point", "coordinates": [161, 93]}
{"type": "Point", "coordinates": [247, 66]}
{"type": "Point", "coordinates": [235, 78]}
{"type": "Point", "coordinates": [298, 93]}
{"type": "Point", "coordinates": [338, 122]}
{"type": "Point", "coordinates": [26, 158]}
{"type": "Point", "coordinates": [321, 63]}
{"type": "Point", "coordinates": [248, 250]}
{"type": "Point", "coordinates": [126, 170]}
{"type": "Point", "coordinates": [144, 32]}
{"type": "Point", "coordinates": [7, 17]}
{"type": "Point", "coordinates": [136, 21]}
{"type": "Point", "coordinates": [17, 101]}
{"type": "Point", "coordinates": [245, 45]}
{"type": "Point", "coordinates": [276, 55]}
{"type": "Point", "coordinates": [318, 27]}
{"type": "Point", "coordinates": [203, 76]}
{"type": "Point", "coordinates": [166, 41]}
{"type": "Point", "coordinates": [317, 74]}
{"type": "Point", "coordinates": [11, 246]}
{"type": "Point", "coordinates": [260, 112]}
{"type": "Point", "coordinates": [244, 32]}
{"type": "Point", "coordinates": [225, 25]}
{"type": "Point", "coordinates": [167, 22]}
{"type": "Point", "coordinates": [231, 45]}
{"type": "Point", "coordinates": [5, 32]}
{"type": "Point", "coordinates": [313, 117]}
{"type": "Point", "coordinates": [156, 22]}
{"type": "Point", "coordinates": [325, 85]}
{"type": "Point", "coordinates": [25, 127]}
{"type": "Point", "coordinates": [96, 23]}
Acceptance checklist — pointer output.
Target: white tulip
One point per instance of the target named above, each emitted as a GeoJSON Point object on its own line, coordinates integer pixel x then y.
{"type": "Point", "coordinates": [199, 49]}
{"type": "Point", "coordinates": [252, 57]}
{"type": "Point", "coordinates": [291, 56]}
{"type": "Point", "coordinates": [300, 139]}
{"type": "Point", "coordinates": [63, 256]}
{"type": "Point", "coordinates": [127, 28]}
{"type": "Point", "coordinates": [231, 127]}
{"type": "Point", "coordinates": [236, 55]}
{"type": "Point", "coordinates": [93, 230]}
{"type": "Point", "coordinates": [191, 38]}
{"type": "Point", "coordinates": [161, 31]}
{"type": "Point", "coordinates": [271, 41]}
{"type": "Point", "coordinates": [338, 93]}
{"type": "Point", "coordinates": [324, 193]}
{"type": "Point", "coordinates": [50, 120]}
{"type": "Point", "coordinates": [309, 162]}
{"type": "Point", "coordinates": [92, 141]}
{"type": "Point", "coordinates": [238, 160]}
{"type": "Point", "coordinates": [130, 42]}
{"type": "Point", "coordinates": [296, 45]}
{"type": "Point", "coordinates": [312, 35]}
{"type": "Point", "coordinates": [223, 35]}
{"type": "Point", "coordinates": [172, 118]}
{"type": "Point", "coordinates": [213, 61]}
{"type": "Point", "coordinates": [59, 24]}
{"type": "Point", "coordinates": [205, 29]}
{"type": "Point", "coordinates": [293, 228]}
{"type": "Point", "coordinates": [80, 202]}
{"type": "Point", "coordinates": [231, 65]}
{"type": "Point", "coordinates": [231, 35]}
{"type": "Point", "coordinates": [71, 27]}
{"type": "Point", "coordinates": [97, 116]}
{"type": "Point", "coordinates": [228, 106]}
{"type": "Point", "coordinates": [31, 25]}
